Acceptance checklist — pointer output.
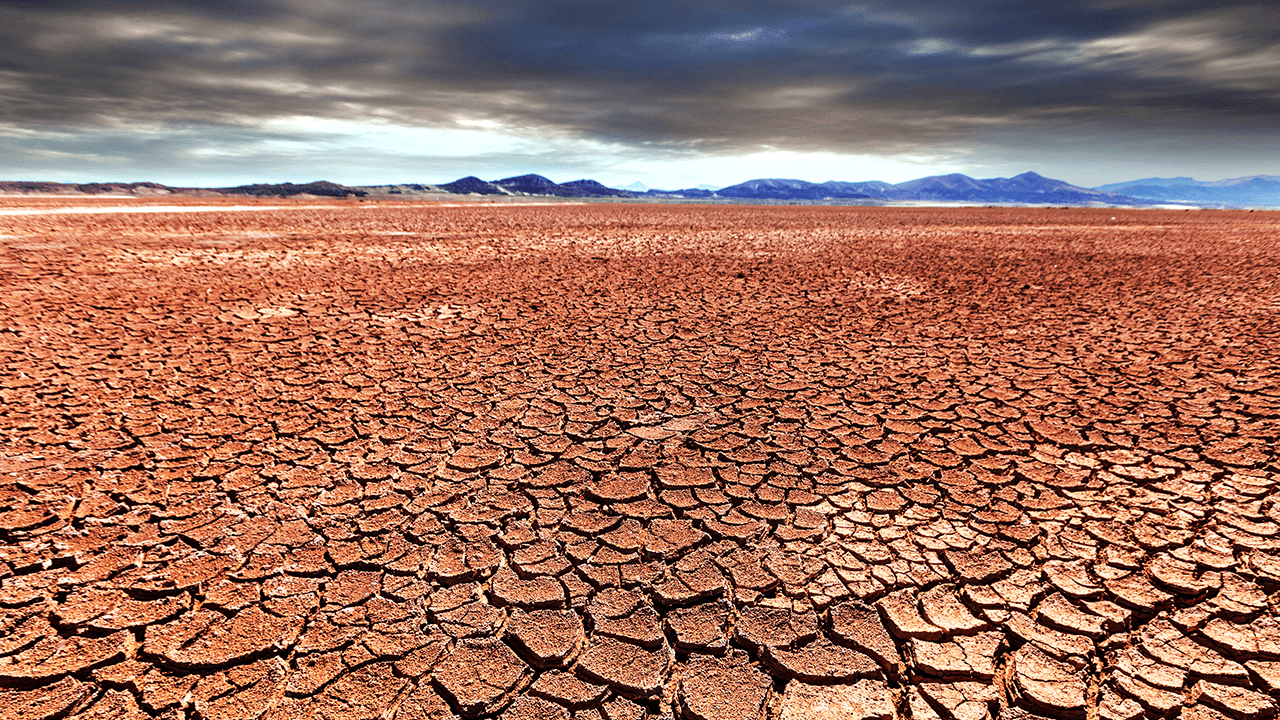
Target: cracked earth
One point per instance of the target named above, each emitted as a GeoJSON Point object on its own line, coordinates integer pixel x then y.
{"type": "Point", "coordinates": [614, 462]}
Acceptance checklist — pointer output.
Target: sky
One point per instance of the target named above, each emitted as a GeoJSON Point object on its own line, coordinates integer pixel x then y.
{"type": "Point", "coordinates": [670, 93]}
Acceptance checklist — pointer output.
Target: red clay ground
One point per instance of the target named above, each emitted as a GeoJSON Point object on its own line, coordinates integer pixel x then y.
{"type": "Point", "coordinates": [618, 461]}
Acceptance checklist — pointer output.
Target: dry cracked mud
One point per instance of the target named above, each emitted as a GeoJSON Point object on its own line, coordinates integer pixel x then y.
{"type": "Point", "coordinates": [613, 462]}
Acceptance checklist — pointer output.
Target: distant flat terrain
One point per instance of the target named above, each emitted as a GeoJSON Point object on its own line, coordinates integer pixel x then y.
{"type": "Point", "coordinates": [343, 459]}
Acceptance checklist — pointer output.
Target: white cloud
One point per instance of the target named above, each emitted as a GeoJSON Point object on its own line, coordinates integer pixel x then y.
{"type": "Point", "coordinates": [1207, 48]}
{"type": "Point", "coordinates": [930, 46]}
{"type": "Point", "coordinates": [482, 137]}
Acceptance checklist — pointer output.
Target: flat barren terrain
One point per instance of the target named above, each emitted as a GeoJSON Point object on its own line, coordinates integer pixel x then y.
{"type": "Point", "coordinates": [610, 462]}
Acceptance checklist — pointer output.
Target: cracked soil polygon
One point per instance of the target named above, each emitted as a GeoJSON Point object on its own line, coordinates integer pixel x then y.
{"type": "Point", "coordinates": [617, 462]}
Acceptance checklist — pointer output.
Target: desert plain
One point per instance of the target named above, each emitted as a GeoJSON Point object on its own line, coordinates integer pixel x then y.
{"type": "Point", "coordinates": [358, 460]}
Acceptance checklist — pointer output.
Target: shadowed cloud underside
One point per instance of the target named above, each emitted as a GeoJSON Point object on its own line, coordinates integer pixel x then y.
{"type": "Point", "coordinates": [245, 86]}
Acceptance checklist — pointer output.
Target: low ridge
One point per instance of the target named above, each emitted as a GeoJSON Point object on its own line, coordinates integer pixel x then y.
{"type": "Point", "coordinates": [472, 185]}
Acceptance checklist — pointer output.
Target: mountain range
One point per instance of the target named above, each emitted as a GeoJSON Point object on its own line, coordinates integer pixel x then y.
{"type": "Point", "coordinates": [1028, 188]}
{"type": "Point", "coordinates": [1255, 191]}
{"type": "Point", "coordinates": [319, 188]}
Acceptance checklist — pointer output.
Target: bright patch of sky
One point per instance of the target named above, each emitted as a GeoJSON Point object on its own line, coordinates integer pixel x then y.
{"type": "Point", "coordinates": [473, 138]}
{"type": "Point", "coordinates": [723, 170]}
{"type": "Point", "coordinates": [752, 35]}
{"type": "Point", "coordinates": [352, 152]}
{"type": "Point", "coordinates": [444, 154]}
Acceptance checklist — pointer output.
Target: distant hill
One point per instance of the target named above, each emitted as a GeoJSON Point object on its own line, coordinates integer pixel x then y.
{"type": "Point", "coordinates": [539, 185]}
{"type": "Point", "coordinates": [529, 185]}
{"type": "Point", "coordinates": [776, 189]}
{"type": "Point", "coordinates": [322, 188]}
{"type": "Point", "coordinates": [591, 188]}
{"type": "Point", "coordinates": [473, 185]}
{"type": "Point", "coordinates": [1253, 191]}
{"type": "Point", "coordinates": [28, 187]}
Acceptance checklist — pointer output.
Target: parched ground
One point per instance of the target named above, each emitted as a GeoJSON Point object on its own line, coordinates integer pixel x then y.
{"type": "Point", "coordinates": [608, 462]}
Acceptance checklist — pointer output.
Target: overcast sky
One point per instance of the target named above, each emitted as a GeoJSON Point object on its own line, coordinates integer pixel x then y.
{"type": "Point", "coordinates": [668, 92]}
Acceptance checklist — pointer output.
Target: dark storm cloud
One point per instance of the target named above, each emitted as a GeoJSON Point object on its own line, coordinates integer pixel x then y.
{"type": "Point", "coordinates": [713, 75]}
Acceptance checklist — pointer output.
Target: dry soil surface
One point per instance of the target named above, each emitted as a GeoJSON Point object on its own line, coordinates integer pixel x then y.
{"type": "Point", "coordinates": [609, 462]}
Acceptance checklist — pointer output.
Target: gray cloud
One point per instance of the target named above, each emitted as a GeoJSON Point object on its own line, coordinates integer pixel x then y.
{"type": "Point", "coordinates": [707, 77]}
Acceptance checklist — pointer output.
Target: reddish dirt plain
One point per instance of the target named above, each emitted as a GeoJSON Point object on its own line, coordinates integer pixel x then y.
{"type": "Point", "coordinates": [608, 462]}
